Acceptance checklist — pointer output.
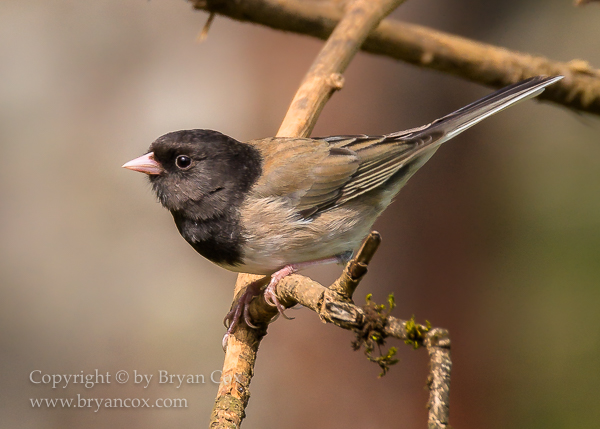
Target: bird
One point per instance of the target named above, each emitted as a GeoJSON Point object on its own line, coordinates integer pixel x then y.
{"type": "Point", "coordinates": [276, 205]}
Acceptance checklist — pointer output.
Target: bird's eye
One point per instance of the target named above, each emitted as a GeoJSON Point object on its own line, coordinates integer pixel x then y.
{"type": "Point", "coordinates": [183, 162]}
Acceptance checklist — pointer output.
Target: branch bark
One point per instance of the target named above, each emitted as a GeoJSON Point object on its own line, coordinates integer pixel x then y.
{"type": "Point", "coordinates": [478, 62]}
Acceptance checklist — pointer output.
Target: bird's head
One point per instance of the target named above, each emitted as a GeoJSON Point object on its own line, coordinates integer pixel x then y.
{"type": "Point", "coordinates": [198, 172]}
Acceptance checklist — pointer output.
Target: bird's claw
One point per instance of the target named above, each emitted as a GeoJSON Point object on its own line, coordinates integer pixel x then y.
{"type": "Point", "coordinates": [241, 309]}
{"type": "Point", "coordinates": [272, 300]}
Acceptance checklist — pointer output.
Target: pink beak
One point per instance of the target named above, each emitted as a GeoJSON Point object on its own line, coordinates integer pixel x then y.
{"type": "Point", "coordinates": [145, 164]}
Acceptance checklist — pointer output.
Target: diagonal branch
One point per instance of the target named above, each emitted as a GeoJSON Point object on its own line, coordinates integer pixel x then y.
{"type": "Point", "coordinates": [478, 62]}
{"type": "Point", "coordinates": [325, 74]}
{"type": "Point", "coordinates": [242, 346]}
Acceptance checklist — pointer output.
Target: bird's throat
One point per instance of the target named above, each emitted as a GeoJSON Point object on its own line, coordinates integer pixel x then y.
{"type": "Point", "coordinates": [219, 239]}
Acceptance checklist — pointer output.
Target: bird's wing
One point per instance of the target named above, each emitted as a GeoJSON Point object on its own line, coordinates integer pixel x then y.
{"type": "Point", "coordinates": [320, 174]}
{"type": "Point", "coordinates": [311, 173]}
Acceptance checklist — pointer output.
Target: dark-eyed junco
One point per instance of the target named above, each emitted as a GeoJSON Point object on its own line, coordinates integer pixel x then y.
{"type": "Point", "coordinates": [277, 205]}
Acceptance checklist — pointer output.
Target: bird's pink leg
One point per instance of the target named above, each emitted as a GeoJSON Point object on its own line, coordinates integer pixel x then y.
{"type": "Point", "coordinates": [271, 290]}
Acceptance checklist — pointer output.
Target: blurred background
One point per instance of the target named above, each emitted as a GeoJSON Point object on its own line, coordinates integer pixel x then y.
{"type": "Point", "coordinates": [497, 238]}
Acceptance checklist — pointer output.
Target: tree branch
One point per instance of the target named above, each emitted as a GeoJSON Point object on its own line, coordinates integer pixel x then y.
{"type": "Point", "coordinates": [478, 62]}
{"type": "Point", "coordinates": [322, 79]}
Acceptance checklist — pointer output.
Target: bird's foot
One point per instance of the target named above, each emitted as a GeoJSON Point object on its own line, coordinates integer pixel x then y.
{"type": "Point", "coordinates": [271, 290]}
{"type": "Point", "coordinates": [241, 309]}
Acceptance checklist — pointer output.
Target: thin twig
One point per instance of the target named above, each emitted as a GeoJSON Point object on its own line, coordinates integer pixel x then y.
{"type": "Point", "coordinates": [204, 33]}
{"type": "Point", "coordinates": [357, 267]}
{"type": "Point", "coordinates": [478, 62]}
{"type": "Point", "coordinates": [437, 342]}
{"type": "Point", "coordinates": [361, 17]}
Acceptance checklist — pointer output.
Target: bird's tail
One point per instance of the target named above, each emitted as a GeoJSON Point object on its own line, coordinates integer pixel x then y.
{"type": "Point", "coordinates": [462, 119]}
{"type": "Point", "coordinates": [447, 127]}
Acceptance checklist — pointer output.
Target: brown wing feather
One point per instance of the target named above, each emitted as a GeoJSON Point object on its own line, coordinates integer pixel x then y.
{"type": "Point", "coordinates": [380, 158]}
{"type": "Point", "coordinates": [310, 172]}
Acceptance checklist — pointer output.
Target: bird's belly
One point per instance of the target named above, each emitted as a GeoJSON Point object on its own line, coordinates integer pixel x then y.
{"type": "Point", "coordinates": [275, 236]}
